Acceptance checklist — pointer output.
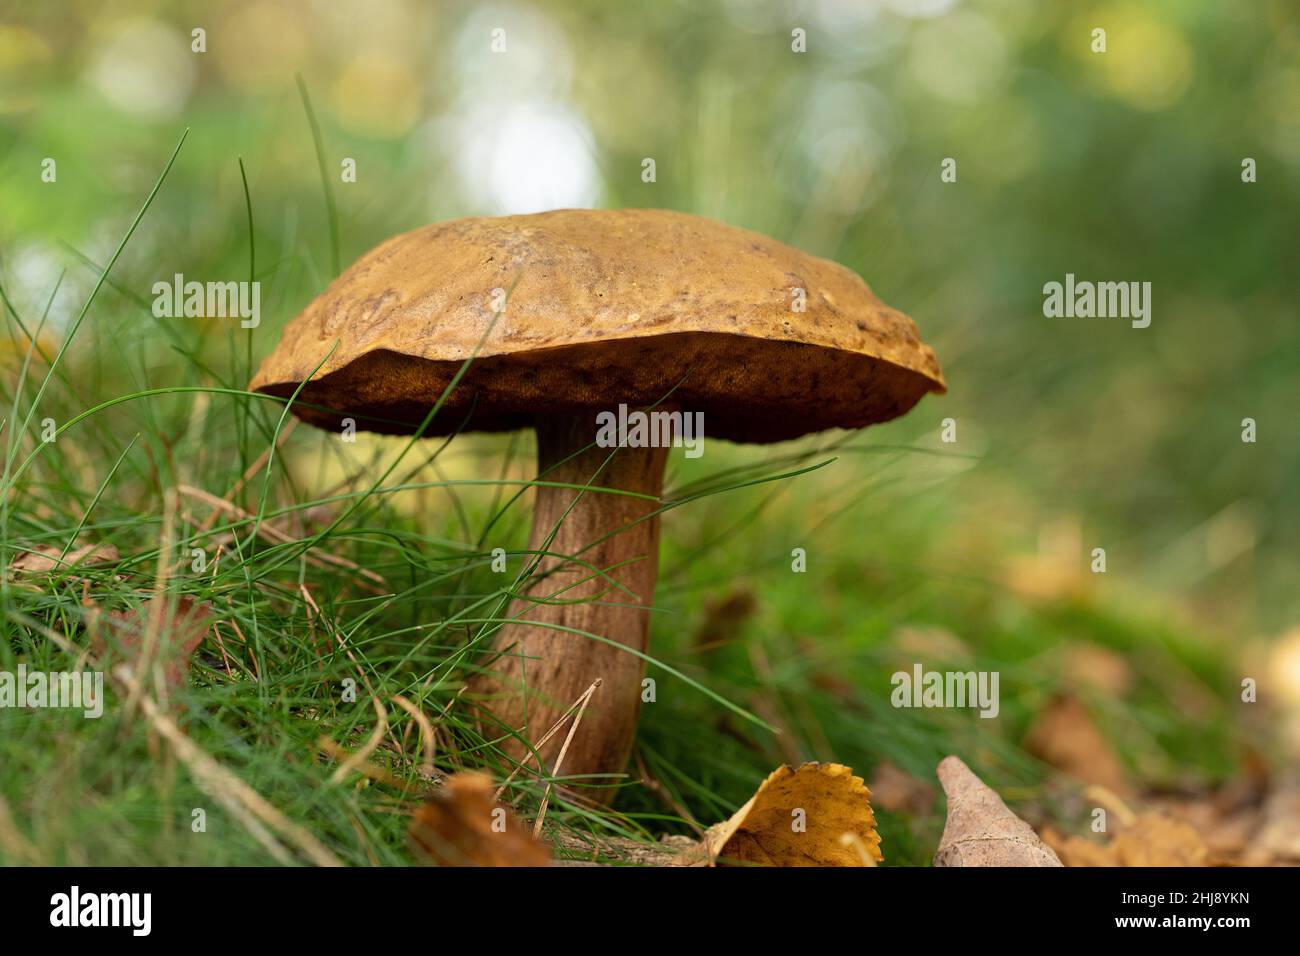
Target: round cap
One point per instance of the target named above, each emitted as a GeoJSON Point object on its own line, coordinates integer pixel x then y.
{"type": "Point", "coordinates": [576, 310]}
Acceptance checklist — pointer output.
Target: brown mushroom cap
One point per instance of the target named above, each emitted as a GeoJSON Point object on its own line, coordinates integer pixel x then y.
{"type": "Point", "coordinates": [604, 307]}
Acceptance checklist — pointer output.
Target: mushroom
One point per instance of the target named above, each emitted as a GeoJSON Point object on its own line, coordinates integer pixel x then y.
{"type": "Point", "coordinates": [636, 307]}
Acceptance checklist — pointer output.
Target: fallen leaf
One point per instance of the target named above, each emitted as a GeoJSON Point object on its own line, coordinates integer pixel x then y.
{"type": "Point", "coordinates": [1153, 839]}
{"type": "Point", "coordinates": [815, 815]}
{"type": "Point", "coordinates": [835, 828]}
{"type": "Point", "coordinates": [1065, 737]}
{"type": "Point", "coordinates": [898, 791]}
{"type": "Point", "coordinates": [45, 558]}
{"type": "Point", "coordinates": [980, 830]}
{"type": "Point", "coordinates": [184, 624]}
{"type": "Point", "coordinates": [1278, 838]}
{"type": "Point", "coordinates": [1076, 851]}
{"type": "Point", "coordinates": [1229, 840]}
{"type": "Point", "coordinates": [1227, 832]}
{"type": "Point", "coordinates": [1159, 840]}
{"type": "Point", "coordinates": [462, 825]}
{"type": "Point", "coordinates": [724, 618]}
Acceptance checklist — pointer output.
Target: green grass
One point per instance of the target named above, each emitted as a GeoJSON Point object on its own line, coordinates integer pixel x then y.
{"type": "Point", "coordinates": [260, 702]}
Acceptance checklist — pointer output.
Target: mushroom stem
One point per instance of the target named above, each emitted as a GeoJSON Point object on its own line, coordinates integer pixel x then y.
{"type": "Point", "coordinates": [543, 665]}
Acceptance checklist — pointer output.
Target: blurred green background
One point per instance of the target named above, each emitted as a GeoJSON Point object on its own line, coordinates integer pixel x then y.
{"type": "Point", "coordinates": [1072, 434]}
{"type": "Point", "coordinates": [1120, 166]}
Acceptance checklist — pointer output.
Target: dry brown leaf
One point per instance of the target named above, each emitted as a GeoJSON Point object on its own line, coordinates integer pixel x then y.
{"type": "Point", "coordinates": [462, 825]}
{"type": "Point", "coordinates": [981, 831]}
{"type": "Point", "coordinates": [1065, 737]}
{"type": "Point", "coordinates": [898, 791]}
{"type": "Point", "coordinates": [1226, 828]}
{"type": "Point", "coordinates": [1076, 851]}
{"type": "Point", "coordinates": [1154, 839]}
{"type": "Point", "coordinates": [183, 627]}
{"type": "Point", "coordinates": [45, 558]}
{"type": "Point", "coordinates": [1278, 839]}
{"type": "Point", "coordinates": [1159, 840]}
{"type": "Point", "coordinates": [1230, 840]}
{"type": "Point", "coordinates": [816, 815]}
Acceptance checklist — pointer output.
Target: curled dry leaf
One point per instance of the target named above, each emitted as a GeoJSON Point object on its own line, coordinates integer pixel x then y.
{"type": "Point", "coordinates": [462, 825]}
{"type": "Point", "coordinates": [183, 625]}
{"type": "Point", "coordinates": [981, 831]}
{"type": "Point", "coordinates": [815, 815]}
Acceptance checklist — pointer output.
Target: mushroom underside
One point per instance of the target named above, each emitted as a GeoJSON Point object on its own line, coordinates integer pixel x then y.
{"type": "Point", "coordinates": [750, 390]}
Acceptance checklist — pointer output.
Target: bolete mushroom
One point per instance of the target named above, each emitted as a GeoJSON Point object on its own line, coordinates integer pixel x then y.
{"type": "Point", "coordinates": [605, 308]}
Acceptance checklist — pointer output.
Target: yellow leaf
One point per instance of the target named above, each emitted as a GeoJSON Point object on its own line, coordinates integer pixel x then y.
{"type": "Point", "coordinates": [815, 815]}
